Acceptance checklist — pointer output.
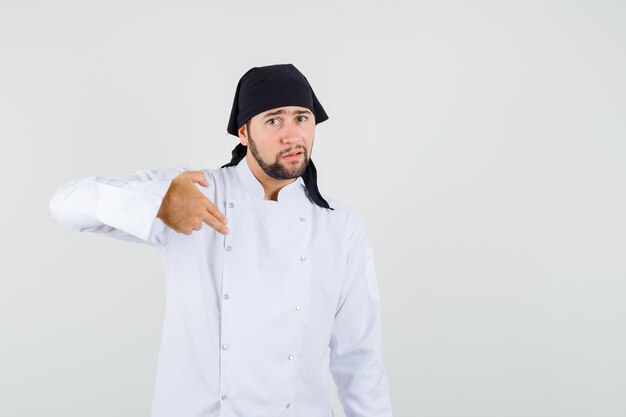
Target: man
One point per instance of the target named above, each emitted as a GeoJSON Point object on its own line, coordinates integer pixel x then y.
{"type": "Point", "coordinates": [253, 302]}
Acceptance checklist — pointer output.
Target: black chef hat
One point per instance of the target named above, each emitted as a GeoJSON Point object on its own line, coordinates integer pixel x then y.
{"type": "Point", "coordinates": [265, 88]}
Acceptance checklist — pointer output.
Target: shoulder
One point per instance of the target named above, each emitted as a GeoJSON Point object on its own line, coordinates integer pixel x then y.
{"type": "Point", "coordinates": [343, 216]}
{"type": "Point", "coordinates": [220, 177]}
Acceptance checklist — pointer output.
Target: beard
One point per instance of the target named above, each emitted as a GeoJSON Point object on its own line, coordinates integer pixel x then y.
{"type": "Point", "coordinates": [280, 169]}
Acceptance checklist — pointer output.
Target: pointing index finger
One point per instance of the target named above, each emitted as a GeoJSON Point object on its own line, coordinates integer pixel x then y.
{"type": "Point", "coordinates": [212, 208]}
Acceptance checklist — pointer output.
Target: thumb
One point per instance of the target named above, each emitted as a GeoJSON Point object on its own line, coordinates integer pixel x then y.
{"type": "Point", "coordinates": [199, 177]}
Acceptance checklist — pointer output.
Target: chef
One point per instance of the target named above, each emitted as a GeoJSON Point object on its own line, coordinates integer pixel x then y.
{"type": "Point", "coordinates": [253, 305]}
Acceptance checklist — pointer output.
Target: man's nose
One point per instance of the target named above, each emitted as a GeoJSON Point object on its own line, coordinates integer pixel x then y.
{"type": "Point", "coordinates": [290, 133]}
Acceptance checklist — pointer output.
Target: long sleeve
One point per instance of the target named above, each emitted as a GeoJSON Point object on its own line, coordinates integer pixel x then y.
{"type": "Point", "coordinates": [119, 207]}
{"type": "Point", "coordinates": [355, 356]}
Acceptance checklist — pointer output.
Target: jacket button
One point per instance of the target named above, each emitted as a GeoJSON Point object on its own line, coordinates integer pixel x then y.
{"type": "Point", "coordinates": [228, 247]}
{"type": "Point", "coordinates": [231, 204]}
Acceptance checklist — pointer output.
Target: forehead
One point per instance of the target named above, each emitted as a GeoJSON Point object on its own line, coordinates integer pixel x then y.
{"type": "Point", "coordinates": [285, 111]}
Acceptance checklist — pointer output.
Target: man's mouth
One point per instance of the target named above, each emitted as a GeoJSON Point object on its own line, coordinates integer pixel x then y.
{"type": "Point", "coordinates": [293, 155]}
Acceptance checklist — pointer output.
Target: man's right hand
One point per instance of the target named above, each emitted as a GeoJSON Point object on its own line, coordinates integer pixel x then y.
{"type": "Point", "coordinates": [184, 207]}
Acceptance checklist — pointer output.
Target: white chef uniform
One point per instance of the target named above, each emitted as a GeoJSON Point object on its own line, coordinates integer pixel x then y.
{"type": "Point", "coordinates": [250, 315]}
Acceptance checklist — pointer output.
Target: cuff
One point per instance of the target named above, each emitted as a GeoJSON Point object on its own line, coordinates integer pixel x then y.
{"type": "Point", "coordinates": [133, 208]}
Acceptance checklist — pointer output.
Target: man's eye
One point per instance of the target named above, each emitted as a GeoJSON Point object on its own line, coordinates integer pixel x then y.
{"type": "Point", "coordinates": [270, 120]}
{"type": "Point", "coordinates": [305, 118]}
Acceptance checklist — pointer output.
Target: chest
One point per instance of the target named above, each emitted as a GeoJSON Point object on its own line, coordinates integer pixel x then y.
{"type": "Point", "coordinates": [275, 257]}
{"type": "Point", "coordinates": [282, 252]}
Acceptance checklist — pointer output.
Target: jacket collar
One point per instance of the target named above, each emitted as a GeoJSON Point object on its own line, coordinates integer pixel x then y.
{"type": "Point", "coordinates": [255, 188]}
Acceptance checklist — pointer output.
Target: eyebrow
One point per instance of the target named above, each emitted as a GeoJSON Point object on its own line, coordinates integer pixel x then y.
{"type": "Point", "coordinates": [282, 111]}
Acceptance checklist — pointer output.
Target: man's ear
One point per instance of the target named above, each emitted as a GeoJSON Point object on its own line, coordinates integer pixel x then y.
{"type": "Point", "coordinates": [243, 135]}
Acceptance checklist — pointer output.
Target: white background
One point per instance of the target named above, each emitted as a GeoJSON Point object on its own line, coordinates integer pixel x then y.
{"type": "Point", "coordinates": [483, 143]}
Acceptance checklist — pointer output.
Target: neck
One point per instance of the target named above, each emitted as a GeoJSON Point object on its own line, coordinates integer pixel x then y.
{"type": "Point", "coordinates": [271, 186]}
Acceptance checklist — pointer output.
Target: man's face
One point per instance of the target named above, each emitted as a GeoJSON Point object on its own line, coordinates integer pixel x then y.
{"type": "Point", "coordinates": [279, 132]}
